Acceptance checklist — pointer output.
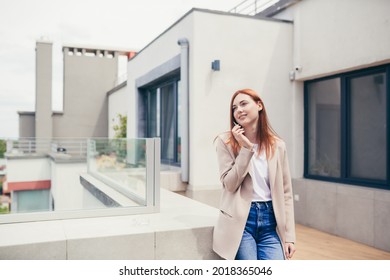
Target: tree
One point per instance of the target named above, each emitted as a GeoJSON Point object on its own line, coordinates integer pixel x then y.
{"type": "Point", "coordinates": [3, 148]}
{"type": "Point", "coordinates": [121, 128]}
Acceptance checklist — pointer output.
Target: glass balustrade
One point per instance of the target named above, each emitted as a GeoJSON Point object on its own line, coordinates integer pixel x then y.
{"type": "Point", "coordinates": [115, 177]}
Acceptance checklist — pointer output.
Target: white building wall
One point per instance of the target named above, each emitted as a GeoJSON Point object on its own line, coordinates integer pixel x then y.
{"type": "Point", "coordinates": [253, 54]}
{"type": "Point", "coordinates": [117, 104]}
{"type": "Point", "coordinates": [28, 169]}
{"type": "Point", "coordinates": [66, 188]}
{"type": "Point", "coordinates": [159, 51]}
{"type": "Point", "coordinates": [344, 35]}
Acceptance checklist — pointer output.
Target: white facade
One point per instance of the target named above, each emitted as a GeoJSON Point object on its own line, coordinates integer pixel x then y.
{"type": "Point", "coordinates": [345, 35]}
{"type": "Point", "coordinates": [66, 189]}
{"type": "Point", "coordinates": [34, 169]}
{"type": "Point", "coordinates": [265, 69]}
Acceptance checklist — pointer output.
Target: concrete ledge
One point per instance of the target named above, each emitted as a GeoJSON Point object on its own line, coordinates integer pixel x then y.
{"type": "Point", "coordinates": [182, 230]}
{"type": "Point", "coordinates": [170, 179]}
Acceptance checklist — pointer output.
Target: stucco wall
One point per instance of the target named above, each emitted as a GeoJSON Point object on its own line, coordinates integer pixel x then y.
{"type": "Point", "coordinates": [87, 79]}
{"type": "Point", "coordinates": [344, 35]}
{"type": "Point", "coordinates": [34, 169]}
{"type": "Point", "coordinates": [66, 189]}
{"type": "Point", "coordinates": [253, 53]}
{"type": "Point", "coordinates": [26, 125]}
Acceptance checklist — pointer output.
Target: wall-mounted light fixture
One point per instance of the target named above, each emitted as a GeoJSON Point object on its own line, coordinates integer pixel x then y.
{"type": "Point", "coordinates": [215, 65]}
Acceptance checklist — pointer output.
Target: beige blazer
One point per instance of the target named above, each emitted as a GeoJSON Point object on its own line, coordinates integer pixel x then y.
{"type": "Point", "coordinates": [237, 193]}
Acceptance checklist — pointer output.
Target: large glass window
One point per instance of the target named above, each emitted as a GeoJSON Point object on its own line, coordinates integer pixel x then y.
{"type": "Point", "coordinates": [346, 132]}
{"type": "Point", "coordinates": [324, 127]}
{"type": "Point", "coordinates": [367, 115]}
{"type": "Point", "coordinates": [162, 114]}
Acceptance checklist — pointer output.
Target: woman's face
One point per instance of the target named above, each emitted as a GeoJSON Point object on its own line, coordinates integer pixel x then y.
{"type": "Point", "coordinates": [245, 110]}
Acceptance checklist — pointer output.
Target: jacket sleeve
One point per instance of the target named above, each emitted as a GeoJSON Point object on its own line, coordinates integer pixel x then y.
{"type": "Point", "coordinates": [288, 199]}
{"type": "Point", "coordinates": [232, 170]}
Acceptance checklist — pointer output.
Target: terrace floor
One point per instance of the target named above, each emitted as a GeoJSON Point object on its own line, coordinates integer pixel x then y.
{"type": "Point", "coordinates": [312, 244]}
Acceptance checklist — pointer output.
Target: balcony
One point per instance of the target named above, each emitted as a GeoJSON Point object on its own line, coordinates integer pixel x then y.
{"type": "Point", "coordinates": [109, 206]}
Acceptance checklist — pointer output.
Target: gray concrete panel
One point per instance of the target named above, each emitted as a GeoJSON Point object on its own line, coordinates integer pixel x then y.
{"type": "Point", "coordinates": [355, 217]}
{"type": "Point", "coordinates": [321, 206]}
{"type": "Point", "coordinates": [129, 247]}
{"type": "Point", "coordinates": [299, 192]}
{"type": "Point", "coordinates": [382, 220]}
{"type": "Point", "coordinates": [191, 244]}
{"type": "Point", "coordinates": [36, 251]}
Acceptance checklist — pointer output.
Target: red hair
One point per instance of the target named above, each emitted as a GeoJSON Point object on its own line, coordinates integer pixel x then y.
{"type": "Point", "coordinates": [266, 136]}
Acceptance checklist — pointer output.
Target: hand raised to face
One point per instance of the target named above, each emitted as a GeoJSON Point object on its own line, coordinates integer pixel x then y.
{"type": "Point", "coordinates": [239, 135]}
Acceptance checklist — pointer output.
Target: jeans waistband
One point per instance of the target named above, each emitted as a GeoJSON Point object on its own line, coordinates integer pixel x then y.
{"type": "Point", "coordinates": [261, 204]}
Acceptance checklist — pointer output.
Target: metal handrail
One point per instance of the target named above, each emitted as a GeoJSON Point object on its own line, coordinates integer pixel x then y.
{"type": "Point", "coordinates": [252, 7]}
{"type": "Point", "coordinates": [28, 146]}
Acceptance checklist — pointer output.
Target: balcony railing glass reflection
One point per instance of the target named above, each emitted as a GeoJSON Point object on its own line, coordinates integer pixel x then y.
{"type": "Point", "coordinates": [127, 167]}
{"type": "Point", "coordinates": [123, 177]}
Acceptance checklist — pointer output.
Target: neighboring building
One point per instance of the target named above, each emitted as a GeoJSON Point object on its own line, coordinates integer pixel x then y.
{"type": "Point", "coordinates": [89, 73]}
{"type": "Point", "coordinates": [322, 69]}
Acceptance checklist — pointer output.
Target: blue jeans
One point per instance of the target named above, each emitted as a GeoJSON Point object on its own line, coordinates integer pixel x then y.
{"type": "Point", "coordinates": [260, 240]}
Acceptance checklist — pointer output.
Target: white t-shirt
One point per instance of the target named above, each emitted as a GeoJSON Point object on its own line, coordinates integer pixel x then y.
{"type": "Point", "coordinates": [261, 189]}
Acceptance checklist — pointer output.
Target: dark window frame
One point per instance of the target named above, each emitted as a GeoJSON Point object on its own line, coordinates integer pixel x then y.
{"type": "Point", "coordinates": [146, 91]}
{"type": "Point", "coordinates": [345, 132]}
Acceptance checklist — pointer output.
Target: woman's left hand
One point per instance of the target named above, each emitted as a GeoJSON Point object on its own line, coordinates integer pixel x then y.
{"type": "Point", "coordinates": [289, 250]}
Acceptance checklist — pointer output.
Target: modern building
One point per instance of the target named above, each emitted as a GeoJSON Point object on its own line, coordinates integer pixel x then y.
{"type": "Point", "coordinates": [322, 69]}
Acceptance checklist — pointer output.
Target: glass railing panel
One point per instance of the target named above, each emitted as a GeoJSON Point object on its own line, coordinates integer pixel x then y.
{"type": "Point", "coordinates": [121, 164]}
{"type": "Point", "coordinates": [85, 178]}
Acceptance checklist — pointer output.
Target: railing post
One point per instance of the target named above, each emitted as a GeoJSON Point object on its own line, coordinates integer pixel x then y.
{"type": "Point", "coordinates": [89, 155]}
{"type": "Point", "coordinates": [157, 174]}
{"type": "Point", "coordinates": [153, 173]}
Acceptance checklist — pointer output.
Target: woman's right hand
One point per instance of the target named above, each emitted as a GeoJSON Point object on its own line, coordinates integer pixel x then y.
{"type": "Point", "coordinates": [239, 135]}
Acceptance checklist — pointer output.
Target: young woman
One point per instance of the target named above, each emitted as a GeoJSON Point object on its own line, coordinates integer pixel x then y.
{"type": "Point", "coordinates": [256, 219]}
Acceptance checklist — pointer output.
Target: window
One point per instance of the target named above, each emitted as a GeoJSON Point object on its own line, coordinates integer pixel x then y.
{"type": "Point", "coordinates": [346, 132]}
{"type": "Point", "coordinates": [160, 118]}
{"type": "Point", "coordinates": [31, 201]}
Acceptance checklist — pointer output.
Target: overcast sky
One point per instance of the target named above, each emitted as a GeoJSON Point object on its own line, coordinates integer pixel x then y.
{"type": "Point", "coordinates": [124, 24]}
